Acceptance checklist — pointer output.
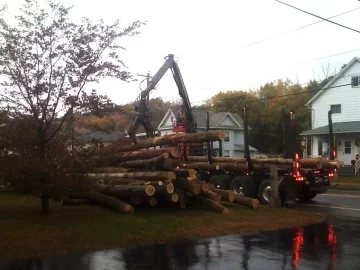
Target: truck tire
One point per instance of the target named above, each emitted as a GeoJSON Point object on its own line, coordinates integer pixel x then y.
{"type": "Point", "coordinates": [307, 197]}
{"type": "Point", "coordinates": [221, 181]}
{"type": "Point", "coordinates": [265, 192]}
{"type": "Point", "coordinates": [244, 186]}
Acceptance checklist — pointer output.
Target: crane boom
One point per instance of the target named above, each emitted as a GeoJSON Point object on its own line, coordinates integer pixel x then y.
{"type": "Point", "coordinates": [142, 110]}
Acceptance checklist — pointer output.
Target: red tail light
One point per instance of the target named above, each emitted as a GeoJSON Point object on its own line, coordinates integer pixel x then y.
{"type": "Point", "coordinates": [316, 172]}
{"type": "Point", "coordinates": [331, 175]}
{"type": "Point", "coordinates": [296, 169]}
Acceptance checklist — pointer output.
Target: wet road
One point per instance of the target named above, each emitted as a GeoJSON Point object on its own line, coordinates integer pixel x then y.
{"type": "Point", "coordinates": [346, 203]}
{"type": "Point", "coordinates": [334, 244]}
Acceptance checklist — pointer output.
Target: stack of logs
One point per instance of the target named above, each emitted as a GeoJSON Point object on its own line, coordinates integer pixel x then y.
{"type": "Point", "coordinates": [131, 175]}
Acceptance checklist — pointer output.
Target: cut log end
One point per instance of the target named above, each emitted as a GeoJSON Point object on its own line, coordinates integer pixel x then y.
{"type": "Point", "coordinates": [149, 190]}
{"type": "Point", "coordinates": [170, 188]}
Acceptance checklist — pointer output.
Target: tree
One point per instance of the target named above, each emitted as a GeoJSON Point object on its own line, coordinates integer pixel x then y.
{"type": "Point", "coordinates": [47, 61]}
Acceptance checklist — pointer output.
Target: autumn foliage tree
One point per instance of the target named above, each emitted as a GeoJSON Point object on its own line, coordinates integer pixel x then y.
{"type": "Point", "coordinates": [46, 62]}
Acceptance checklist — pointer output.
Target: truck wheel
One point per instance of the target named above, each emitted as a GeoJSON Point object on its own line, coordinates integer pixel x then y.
{"type": "Point", "coordinates": [307, 197]}
{"type": "Point", "coordinates": [265, 192]}
{"type": "Point", "coordinates": [221, 181]}
{"type": "Point", "coordinates": [243, 186]}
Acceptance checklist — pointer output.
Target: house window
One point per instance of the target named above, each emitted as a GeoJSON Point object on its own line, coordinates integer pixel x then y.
{"type": "Point", "coordinates": [227, 136]}
{"type": "Point", "coordinates": [226, 153]}
{"type": "Point", "coordinates": [355, 81]}
{"type": "Point", "coordinates": [323, 148]}
{"type": "Point", "coordinates": [347, 147]}
{"type": "Point", "coordinates": [336, 108]}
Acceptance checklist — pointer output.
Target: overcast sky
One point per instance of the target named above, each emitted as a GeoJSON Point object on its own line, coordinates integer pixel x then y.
{"type": "Point", "coordinates": [209, 39]}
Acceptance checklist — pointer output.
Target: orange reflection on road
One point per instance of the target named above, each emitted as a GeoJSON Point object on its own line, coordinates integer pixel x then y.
{"type": "Point", "coordinates": [298, 242]}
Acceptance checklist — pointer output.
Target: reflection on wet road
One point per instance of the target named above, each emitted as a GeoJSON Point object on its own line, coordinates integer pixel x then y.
{"type": "Point", "coordinates": [332, 245]}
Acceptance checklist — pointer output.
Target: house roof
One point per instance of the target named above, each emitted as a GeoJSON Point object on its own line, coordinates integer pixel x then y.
{"type": "Point", "coordinates": [100, 135]}
{"type": "Point", "coordinates": [241, 147]}
{"type": "Point", "coordinates": [338, 128]}
{"type": "Point", "coordinates": [215, 119]}
{"type": "Point", "coordinates": [336, 77]}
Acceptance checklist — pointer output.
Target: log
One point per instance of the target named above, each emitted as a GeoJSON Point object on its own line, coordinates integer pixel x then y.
{"type": "Point", "coordinates": [226, 195]}
{"type": "Point", "coordinates": [153, 175]}
{"type": "Point", "coordinates": [212, 205]}
{"type": "Point", "coordinates": [212, 195]}
{"type": "Point", "coordinates": [110, 170]}
{"type": "Point", "coordinates": [204, 187]}
{"type": "Point", "coordinates": [167, 197]}
{"type": "Point", "coordinates": [173, 139]}
{"type": "Point", "coordinates": [181, 183]}
{"type": "Point", "coordinates": [126, 181]}
{"type": "Point", "coordinates": [152, 201]}
{"type": "Point", "coordinates": [74, 201]}
{"type": "Point", "coordinates": [111, 202]}
{"type": "Point", "coordinates": [216, 159]}
{"type": "Point", "coordinates": [180, 193]}
{"type": "Point", "coordinates": [156, 162]}
{"type": "Point", "coordinates": [165, 189]}
{"type": "Point", "coordinates": [318, 163]}
{"type": "Point", "coordinates": [247, 202]}
{"type": "Point", "coordinates": [194, 165]}
{"type": "Point", "coordinates": [184, 172]}
{"type": "Point", "coordinates": [126, 191]}
{"type": "Point", "coordinates": [173, 152]}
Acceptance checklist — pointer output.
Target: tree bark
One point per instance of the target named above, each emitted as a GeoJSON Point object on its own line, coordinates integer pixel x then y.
{"type": "Point", "coordinates": [173, 139]}
{"type": "Point", "coordinates": [212, 205]}
{"type": "Point", "coordinates": [157, 162]}
{"type": "Point", "coordinates": [126, 191]}
{"type": "Point", "coordinates": [111, 170]}
{"type": "Point", "coordinates": [212, 195]}
{"type": "Point", "coordinates": [226, 195]}
{"type": "Point", "coordinates": [315, 163]}
{"type": "Point", "coordinates": [111, 202]}
{"type": "Point", "coordinates": [173, 152]}
{"type": "Point", "coordinates": [153, 175]}
{"type": "Point", "coordinates": [247, 202]}
{"type": "Point", "coordinates": [165, 189]}
{"type": "Point", "coordinates": [180, 193]}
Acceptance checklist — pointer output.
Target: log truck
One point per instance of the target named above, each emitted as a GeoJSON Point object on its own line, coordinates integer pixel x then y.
{"type": "Point", "coordinates": [293, 183]}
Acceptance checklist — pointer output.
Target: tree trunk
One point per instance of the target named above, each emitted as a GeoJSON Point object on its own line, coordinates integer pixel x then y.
{"type": "Point", "coordinates": [173, 139]}
{"type": "Point", "coordinates": [212, 205]}
{"type": "Point", "coordinates": [318, 163]}
{"type": "Point", "coordinates": [180, 193]}
{"type": "Point", "coordinates": [226, 195]}
{"type": "Point", "coordinates": [111, 170]}
{"type": "Point", "coordinates": [247, 202]}
{"type": "Point", "coordinates": [152, 201]}
{"type": "Point", "coordinates": [111, 202]}
{"type": "Point", "coordinates": [212, 195]}
{"type": "Point", "coordinates": [157, 162]}
{"type": "Point", "coordinates": [153, 175]}
{"type": "Point", "coordinates": [126, 191]}
{"type": "Point", "coordinates": [45, 193]}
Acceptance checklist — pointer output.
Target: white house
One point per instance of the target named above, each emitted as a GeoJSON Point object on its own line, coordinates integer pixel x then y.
{"type": "Point", "coordinates": [342, 96]}
{"type": "Point", "coordinates": [230, 123]}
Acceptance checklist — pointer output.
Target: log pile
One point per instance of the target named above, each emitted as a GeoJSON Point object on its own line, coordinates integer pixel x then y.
{"type": "Point", "coordinates": [131, 175]}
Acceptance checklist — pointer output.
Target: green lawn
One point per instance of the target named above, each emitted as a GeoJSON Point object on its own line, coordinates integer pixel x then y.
{"type": "Point", "coordinates": [74, 229]}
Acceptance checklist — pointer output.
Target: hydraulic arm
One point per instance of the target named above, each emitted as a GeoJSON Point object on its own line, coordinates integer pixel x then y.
{"type": "Point", "coordinates": [142, 109]}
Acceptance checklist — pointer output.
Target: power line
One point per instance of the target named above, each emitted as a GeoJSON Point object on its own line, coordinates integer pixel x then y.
{"type": "Point", "coordinates": [299, 28]}
{"type": "Point", "coordinates": [338, 24]}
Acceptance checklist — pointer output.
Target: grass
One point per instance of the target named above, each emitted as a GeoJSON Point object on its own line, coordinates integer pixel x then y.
{"type": "Point", "coordinates": [77, 229]}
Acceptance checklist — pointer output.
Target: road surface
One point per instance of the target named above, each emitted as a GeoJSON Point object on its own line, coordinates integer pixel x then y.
{"type": "Point", "coordinates": [345, 203]}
